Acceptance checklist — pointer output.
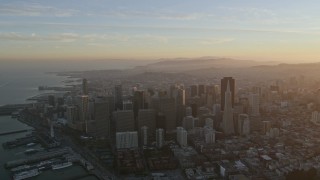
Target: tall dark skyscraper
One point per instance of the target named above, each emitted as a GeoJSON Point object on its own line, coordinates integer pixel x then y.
{"type": "Point", "coordinates": [201, 89]}
{"type": "Point", "coordinates": [84, 87]}
{"type": "Point", "coordinates": [101, 117]}
{"type": "Point", "coordinates": [166, 105]}
{"type": "Point", "coordinates": [194, 90]}
{"type": "Point", "coordinates": [138, 104]}
{"type": "Point", "coordinates": [139, 101]}
{"type": "Point", "coordinates": [224, 84]}
{"type": "Point", "coordinates": [118, 97]}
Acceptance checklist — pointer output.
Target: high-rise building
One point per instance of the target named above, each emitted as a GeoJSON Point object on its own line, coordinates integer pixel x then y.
{"type": "Point", "coordinates": [194, 108]}
{"type": "Point", "coordinates": [216, 109]}
{"type": "Point", "coordinates": [167, 107]}
{"type": "Point", "coordinates": [118, 97]}
{"type": "Point", "coordinates": [224, 83]}
{"type": "Point", "coordinates": [144, 135]}
{"type": "Point", "coordinates": [255, 123]}
{"type": "Point", "coordinates": [188, 123]}
{"type": "Point", "coordinates": [147, 117]}
{"type": "Point", "coordinates": [72, 115]}
{"type": "Point", "coordinates": [274, 132]}
{"type": "Point", "coordinates": [201, 90]}
{"type": "Point", "coordinates": [188, 111]}
{"type": "Point", "coordinates": [84, 111]}
{"type": "Point", "coordinates": [211, 96]}
{"type": "Point", "coordinates": [202, 111]}
{"type": "Point", "coordinates": [182, 136]}
{"type": "Point", "coordinates": [160, 120]}
{"type": "Point", "coordinates": [159, 138]}
{"type": "Point", "coordinates": [69, 101]}
{"type": "Point", "coordinates": [101, 117]}
{"type": "Point", "coordinates": [127, 105]}
{"type": "Point", "coordinates": [243, 124]}
{"type": "Point", "coordinates": [138, 101]}
{"type": "Point", "coordinates": [84, 87]}
{"type": "Point", "coordinates": [254, 104]}
{"type": "Point", "coordinates": [124, 121]}
{"type": "Point", "coordinates": [228, 124]}
{"type": "Point", "coordinates": [209, 122]}
{"type": "Point", "coordinates": [210, 135]}
{"type": "Point", "coordinates": [194, 90]}
{"type": "Point", "coordinates": [266, 127]}
{"type": "Point", "coordinates": [179, 95]}
{"type": "Point", "coordinates": [315, 117]}
{"type": "Point", "coordinates": [51, 129]}
{"type": "Point", "coordinates": [127, 139]}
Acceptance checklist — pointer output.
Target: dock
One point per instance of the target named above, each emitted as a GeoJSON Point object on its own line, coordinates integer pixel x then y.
{"type": "Point", "coordinates": [13, 132]}
{"type": "Point", "coordinates": [39, 157]}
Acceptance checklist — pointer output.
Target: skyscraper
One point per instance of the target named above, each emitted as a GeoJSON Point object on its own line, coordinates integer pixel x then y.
{"type": "Point", "coordinates": [144, 135]}
{"type": "Point", "coordinates": [84, 111]}
{"type": "Point", "coordinates": [118, 97]}
{"type": "Point", "coordinates": [209, 122]}
{"type": "Point", "coordinates": [178, 94]}
{"type": "Point", "coordinates": [182, 136]}
{"type": "Point", "coordinates": [159, 137]}
{"type": "Point", "coordinates": [84, 87]}
{"type": "Point", "coordinates": [243, 124]}
{"type": "Point", "coordinates": [188, 111]}
{"type": "Point", "coordinates": [124, 121]}
{"type": "Point", "coordinates": [101, 117]}
{"type": "Point", "coordinates": [72, 115]}
{"type": "Point", "coordinates": [127, 139]}
{"type": "Point", "coordinates": [210, 135]}
{"type": "Point", "coordinates": [254, 104]}
{"type": "Point", "coordinates": [201, 89]}
{"type": "Point", "coordinates": [188, 122]}
{"type": "Point", "coordinates": [167, 107]}
{"type": "Point", "coordinates": [224, 83]}
{"type": "Point", "coordinates": [138, 103]}
{"type": "Point", "coordinates": [228, 125]}
{"type": "Point", "coordinates": [147, 117]}
{"type": "Point", "coordinates": [194, 90]}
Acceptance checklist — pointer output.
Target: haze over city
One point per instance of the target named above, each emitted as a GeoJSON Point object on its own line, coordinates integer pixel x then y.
{"type": "Point", "coordinates": [163, 90]}
{"type": "Point", "coordinates": [285, 31]}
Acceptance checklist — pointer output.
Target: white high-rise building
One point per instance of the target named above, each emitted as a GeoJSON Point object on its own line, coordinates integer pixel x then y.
{"type": "Point", "coordinates": [127, 139]}
{"type": "Point", "coordinates": [182, 136]}
{"type": "Point", "coordinates": [315, 117]}
{"type": "Point", "coordinates": [209, 122]}
{"type": "Point", "coordinates": [266, 126]}
{"type": "Point", "coordinates": [210, 135]}
{"type": "Point", "coordinates": [243, 124]}
{"type": "Point", "coordinates": [144, 135]}
{"type": "Point", "coordinates": [216, 109]}
{"type": "Point", "coordinates": [51, 129]}
{"type": "Point", "coordinates": [227, 123]}
{"type": "Point", "coordinates": [160, 137]}
{"type": "Point", "coordinates": [254, 104]}
{"type": "Point", "coordinates": [273, 132]}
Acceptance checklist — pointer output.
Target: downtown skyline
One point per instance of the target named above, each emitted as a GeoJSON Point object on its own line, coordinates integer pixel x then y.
{"type": "Point", "coordinates": [284, 31]}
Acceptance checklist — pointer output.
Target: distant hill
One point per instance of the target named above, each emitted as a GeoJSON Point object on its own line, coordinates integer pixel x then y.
{"type": "Point", "coordinates": [185, 64]}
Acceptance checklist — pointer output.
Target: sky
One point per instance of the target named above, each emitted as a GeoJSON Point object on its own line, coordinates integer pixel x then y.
{"type": "Point", "coordinates": [286, 30]}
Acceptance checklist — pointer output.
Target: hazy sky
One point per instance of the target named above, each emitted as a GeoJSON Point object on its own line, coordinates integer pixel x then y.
{"type": "Point", "coordinates": [148, 29]}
